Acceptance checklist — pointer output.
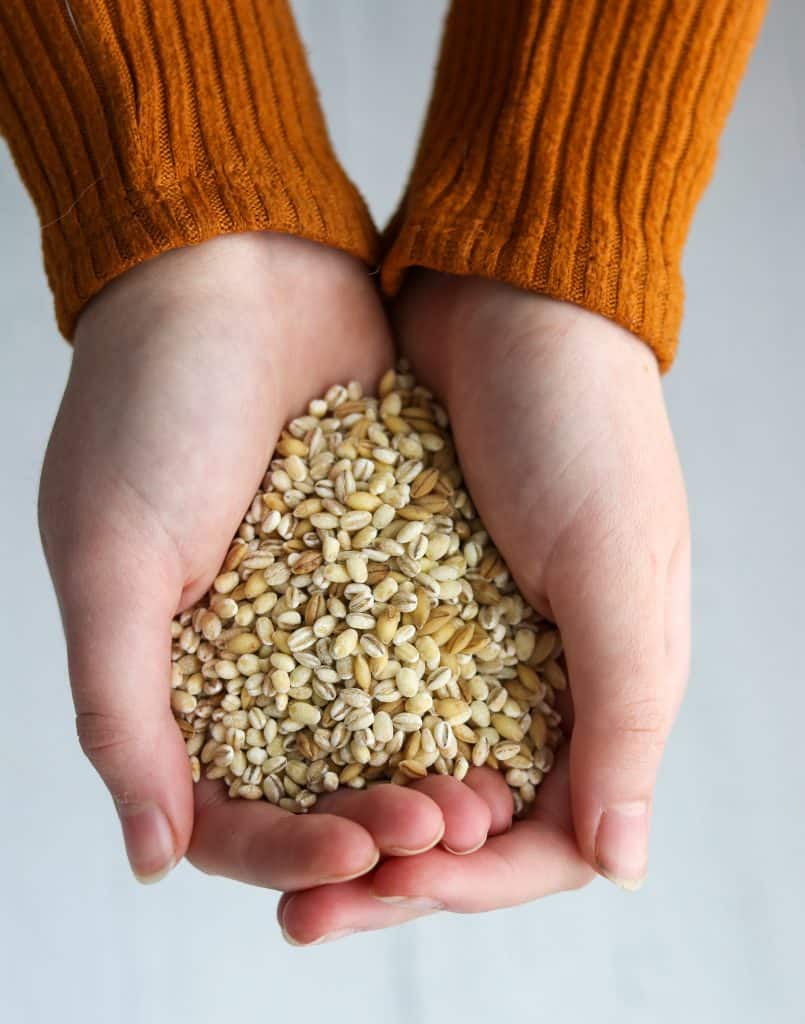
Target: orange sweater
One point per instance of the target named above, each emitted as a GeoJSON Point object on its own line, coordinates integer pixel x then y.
{"type": "Point", "coordinates": [565, 148]}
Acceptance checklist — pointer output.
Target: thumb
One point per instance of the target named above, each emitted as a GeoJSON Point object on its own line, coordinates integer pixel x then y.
{"type": "Point", "coordinates": [116, 615]}
{"type": "Point", "coordinates": [625, 630]}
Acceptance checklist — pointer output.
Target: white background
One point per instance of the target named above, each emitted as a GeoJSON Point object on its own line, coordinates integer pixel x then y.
{"type": "Point", "coordinates": [717, 934]}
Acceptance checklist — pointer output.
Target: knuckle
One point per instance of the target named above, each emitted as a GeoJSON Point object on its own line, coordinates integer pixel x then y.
{"type": "Point", "coordinates": [644, 716]}
{"type": "Point", "coordinates": [640, 727]}
{"type": "Point", "coordinates": [581, 879]}
{"type": "Point", "coordinates": [103, 735]}
{"type": "Point", "coordinates": [201, 861]}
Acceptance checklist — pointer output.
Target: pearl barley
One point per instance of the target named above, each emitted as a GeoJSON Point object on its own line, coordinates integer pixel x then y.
{"type": "Point", "coordinates": [362, 627]}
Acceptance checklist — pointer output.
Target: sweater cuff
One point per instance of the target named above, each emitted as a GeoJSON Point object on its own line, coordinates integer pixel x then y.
{"type": "Point", "coordinates": [142, 127]}
{"type": "Point", "coordinates": [566, 146]}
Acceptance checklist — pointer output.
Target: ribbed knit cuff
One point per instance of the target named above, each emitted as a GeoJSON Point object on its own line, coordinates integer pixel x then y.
{"type": "Point", "coordinates": [566, 146]}
{"type": "Point", "coordinates": [143, 125]}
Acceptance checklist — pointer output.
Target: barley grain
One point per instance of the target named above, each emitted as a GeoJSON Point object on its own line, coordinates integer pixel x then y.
{"type": "Point", "coordinates": [362, 626]}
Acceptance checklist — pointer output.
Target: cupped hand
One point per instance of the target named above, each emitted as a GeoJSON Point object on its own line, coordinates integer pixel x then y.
{"type": "Point", "coordinates": [562, 433]}
{"type": "Point", "coordinates": [184, 371]}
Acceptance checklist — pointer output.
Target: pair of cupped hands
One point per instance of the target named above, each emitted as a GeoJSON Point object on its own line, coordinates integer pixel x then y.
{"type": "Point", "coordinates": [185, 370]}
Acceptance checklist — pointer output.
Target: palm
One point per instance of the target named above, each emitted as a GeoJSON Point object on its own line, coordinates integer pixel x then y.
{"type": "Point", "coordinates": [562, 435]}
{"type": "Point", "coordinates": [184, 374]}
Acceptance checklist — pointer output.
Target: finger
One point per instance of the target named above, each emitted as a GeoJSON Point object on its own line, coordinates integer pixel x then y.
{"type": "Point", "coordinates": [117, 614]}
{"type": "Point", "coordinates": [336, 911]}
{"type": "Point", "coordinates": [552, 804]}
{"type": "Point", "coordinates": [625, 630]}
{"type": "Point", "coordinates": [491, 787]}
{"type": "Point", "coordinates": [263, 845]}
{"type": "Point", "coordinates": [401, 820]}
{"type": "Point", "coordinates": [532, 860]}
{"type": "Point", "coordinates": [467, 816]}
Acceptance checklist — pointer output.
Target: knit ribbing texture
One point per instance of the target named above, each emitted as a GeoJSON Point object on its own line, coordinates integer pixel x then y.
{"type": "Point", "coordinates": [566, 146]}
{"type": "Point", "coordinates": [143, 125]}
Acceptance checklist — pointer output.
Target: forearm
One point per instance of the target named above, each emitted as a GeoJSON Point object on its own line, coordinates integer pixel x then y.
{"type": "Point", "coordinates": [139, 128]}
{"type": "Point", "coordinates": [566, 146]}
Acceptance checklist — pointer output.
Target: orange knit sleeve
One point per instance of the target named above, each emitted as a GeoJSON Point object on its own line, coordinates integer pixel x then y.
{"type": "Point", "coordinates": [566, 146]}
{"type": "Point", "coordinates": [143, 125]}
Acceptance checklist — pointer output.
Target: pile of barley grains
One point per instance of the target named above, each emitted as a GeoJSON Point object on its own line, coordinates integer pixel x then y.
{"type": "Point", "coordinates": [362, 627]}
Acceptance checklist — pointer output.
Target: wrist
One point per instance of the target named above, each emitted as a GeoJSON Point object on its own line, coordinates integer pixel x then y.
{"type": "Point", "coordinates": [284, 316]}
{"type": "Point", "coordinates": [238, 268]}
{"type": "Point", "coordinates": [451, 325]}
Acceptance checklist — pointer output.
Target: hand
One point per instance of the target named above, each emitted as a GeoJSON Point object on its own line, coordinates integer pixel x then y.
{"type": "Point", "coordinates": [562, 433]}
{"type": "Point", "coordinates": [185, 369]}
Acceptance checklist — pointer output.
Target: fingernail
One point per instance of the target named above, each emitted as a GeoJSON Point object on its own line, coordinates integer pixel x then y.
{"type": "Point", "coordinates": [282, 910]}
{"type": "Point", "coordinates": [621, 846]}
{"type": "Point", "coordinates": [149, 841]}
{"type": "Point", "coordinates": [463, 853]}
{"type": "Point", "coordinates": [329, 937]}
{"type": "Point", "coordinates": [419, 903]}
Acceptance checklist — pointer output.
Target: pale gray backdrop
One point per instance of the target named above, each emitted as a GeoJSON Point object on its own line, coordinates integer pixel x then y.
{"type": "Point", "coordinates": [717, 934]}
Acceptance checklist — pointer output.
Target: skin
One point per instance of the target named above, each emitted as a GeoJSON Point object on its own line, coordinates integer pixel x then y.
{"type": "Point", "coordinates": [170, 411]}
{"type": "Point", "coordinates": [562, 433]}
{"type": "Point", "coordinates": [561, 429]}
